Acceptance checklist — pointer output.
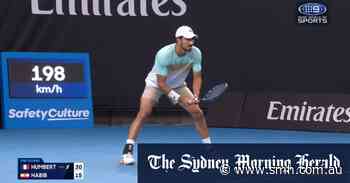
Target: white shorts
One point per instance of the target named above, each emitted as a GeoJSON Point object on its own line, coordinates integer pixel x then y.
{"type": "Point", "coordinates": [155, 93]}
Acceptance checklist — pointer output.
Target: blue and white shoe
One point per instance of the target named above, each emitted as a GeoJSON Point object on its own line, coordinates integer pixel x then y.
{"type": "Point", "coordinates": [127, 157]}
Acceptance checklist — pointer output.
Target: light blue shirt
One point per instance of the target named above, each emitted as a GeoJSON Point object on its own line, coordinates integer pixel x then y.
{"type": "Point", "coordinates": [175, 67]}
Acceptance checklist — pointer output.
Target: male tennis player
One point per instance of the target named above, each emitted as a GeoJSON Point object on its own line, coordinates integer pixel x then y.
{"type": "Point", "coordinates": [172, 65]}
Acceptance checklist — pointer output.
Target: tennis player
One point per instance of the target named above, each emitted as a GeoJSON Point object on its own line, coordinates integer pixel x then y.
{"type": "Point", "coordinates": [172, 65]}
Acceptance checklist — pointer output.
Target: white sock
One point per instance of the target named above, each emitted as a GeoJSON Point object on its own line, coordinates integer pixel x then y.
{"type": "Point", "coordinates": [206, 140]}
{"type": "Point", "coordinates": [130, 141]}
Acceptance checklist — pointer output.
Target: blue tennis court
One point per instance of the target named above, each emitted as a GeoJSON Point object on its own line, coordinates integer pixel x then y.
{"type": "Point", "coordinates": [100, 147]}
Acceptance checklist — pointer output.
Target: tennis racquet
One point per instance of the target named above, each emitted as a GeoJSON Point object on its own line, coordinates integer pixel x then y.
{"type": "Point", "coordinates": [214, 93]}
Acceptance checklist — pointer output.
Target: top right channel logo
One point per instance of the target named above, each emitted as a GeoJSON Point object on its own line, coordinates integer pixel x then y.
{"type": "Point", "coordinates": [312, 13]}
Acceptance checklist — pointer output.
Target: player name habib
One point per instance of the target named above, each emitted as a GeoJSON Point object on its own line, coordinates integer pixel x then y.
{"type": "Point", "coordinates": [38, 175]}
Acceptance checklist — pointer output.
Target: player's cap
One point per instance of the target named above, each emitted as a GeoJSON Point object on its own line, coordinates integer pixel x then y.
{"type": "Point", "coordinates": [186, 32]}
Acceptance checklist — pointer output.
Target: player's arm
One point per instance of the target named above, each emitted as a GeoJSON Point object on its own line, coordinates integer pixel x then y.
{"type": "Point", "coordinates": [161, 64]}
{"type": "Point", "coordinates": [197, 74]}
{"type": "Point", "coordinates": [162, 73]}
{"type": "Point", "coordinates": [161, 80]}
{"type": "Point", "coordinates": [197, 83]}
{"type": "Point", "coordinates": [172, 94]}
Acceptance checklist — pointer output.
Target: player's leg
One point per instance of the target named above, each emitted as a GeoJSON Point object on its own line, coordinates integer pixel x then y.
{"type": "Point", "coordinates": [146, 106]}
{"type": "Point", "coordinates": [148, 99]}
{"type": "Point", "coordinates": [196, 113]}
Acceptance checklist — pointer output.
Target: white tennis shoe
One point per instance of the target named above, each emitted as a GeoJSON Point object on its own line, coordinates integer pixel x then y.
{"type": "Point", "coordinates": [127, 159]}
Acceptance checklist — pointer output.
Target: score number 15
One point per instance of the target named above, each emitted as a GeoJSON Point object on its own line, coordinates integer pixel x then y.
{"type": "Point", "coordinates": [48, 73]}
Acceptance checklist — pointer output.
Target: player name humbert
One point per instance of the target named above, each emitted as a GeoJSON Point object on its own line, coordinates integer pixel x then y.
{"type": "Point", "coordinates": [42, 166]}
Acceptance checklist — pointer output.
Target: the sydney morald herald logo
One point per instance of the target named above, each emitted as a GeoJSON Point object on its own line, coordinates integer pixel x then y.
{"type": "Point", "coordinates": [245, 164]}
{"type": "Point", "coordinates": [109, 7]}
{"type": "Point", "coordinates": [312, 13]}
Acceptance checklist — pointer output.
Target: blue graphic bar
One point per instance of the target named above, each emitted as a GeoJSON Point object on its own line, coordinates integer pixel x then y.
{"type": "Point", "coordinates": [48, 90]}
{"type": "Point", "coordinates": [36, 168]}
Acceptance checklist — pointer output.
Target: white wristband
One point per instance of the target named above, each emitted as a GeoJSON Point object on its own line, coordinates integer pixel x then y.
{"type": "Point", "coordinates": [174, 97]}
{"type": "Point", "coordinates": [196, 98]}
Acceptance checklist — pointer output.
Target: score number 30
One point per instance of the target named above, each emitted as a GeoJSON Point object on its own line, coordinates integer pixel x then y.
{"type": "Point", "coordinates": [48, 73]}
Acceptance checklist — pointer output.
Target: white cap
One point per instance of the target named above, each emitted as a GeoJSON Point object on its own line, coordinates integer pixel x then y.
{"type": "Point", "coordinates": [186, 32]}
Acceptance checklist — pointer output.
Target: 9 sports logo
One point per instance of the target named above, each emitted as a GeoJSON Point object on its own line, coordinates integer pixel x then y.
{"type": "Point", "coordinates": [312, 9]}
{"type": "Point", "coordinates": [312, 13]}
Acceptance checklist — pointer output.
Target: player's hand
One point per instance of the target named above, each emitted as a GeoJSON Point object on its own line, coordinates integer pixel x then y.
{"type": "Point", "coordinates": [196, 100]}
{"type": "Point", "coordinates": [193, 100]}
{"type": "Point", "coordinates": [185, 100]}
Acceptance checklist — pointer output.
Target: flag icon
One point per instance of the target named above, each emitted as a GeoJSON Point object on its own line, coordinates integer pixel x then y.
{"type": "Point", "coordinates": [24, 175]}
{"type": "Point", "coordinates": [26, 167]}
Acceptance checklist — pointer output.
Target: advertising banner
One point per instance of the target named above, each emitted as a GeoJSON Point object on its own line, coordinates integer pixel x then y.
{"type": "Point", "coordinates": [48, 90]}
{"type": "Point", "coordinates": [318, 112]}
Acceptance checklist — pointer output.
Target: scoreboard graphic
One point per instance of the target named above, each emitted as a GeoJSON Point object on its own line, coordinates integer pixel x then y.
{"type": "Point", "coordinates": [46, 90]}
{"type": "Point", "coordinates": [36, 168]}
{"type": "Point", "coordinates": [36, 78]}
